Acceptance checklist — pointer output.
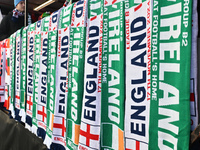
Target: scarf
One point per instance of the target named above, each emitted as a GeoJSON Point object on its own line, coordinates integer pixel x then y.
{"type": "Point", "coordinates": [17, 13]}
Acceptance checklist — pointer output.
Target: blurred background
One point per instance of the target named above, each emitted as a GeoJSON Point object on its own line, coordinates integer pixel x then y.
{"type": "Point", "coordinates": [53, 5]}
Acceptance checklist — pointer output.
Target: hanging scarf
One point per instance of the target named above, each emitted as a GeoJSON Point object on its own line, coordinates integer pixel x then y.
{"type": "Point", "coordinates": [12, 74]}
{"type": "Point", "coordinates": [42, 84]}
{"type": "Point", "coordinates": [36, 69]}
{"type": "Point", "coordinates": [23, 84]}
{"type": "Point", "coordinates": [59, 125]}
{"type": "Point", "coordinates": [2, 72]}
{"type": "Point", "coordinates": [90, 124]}
{"type": "Point", "coordinates": [51, 77]}
{"type": "Point", "coordinates": [17, 75]}
{"type": "Point", "coordinates": [7, 74]}
{"type": "Point", "coordinates": [170, 100]}
{"type": "Point", "coordinates": [137, 74]}
{"type": "Point", "coordinates": [30, 86]}
{"type": "Point", "coordinates": [112, 76]}
{"type": "Point", "coordinates": [75, 73]}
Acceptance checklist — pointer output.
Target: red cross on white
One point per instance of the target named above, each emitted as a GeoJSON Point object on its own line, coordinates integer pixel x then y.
{"type": "Point", "coordinates": [1, 89]}
{"type": "Point", "coordinates": [29, 103]}
{"type": "Point", "coordinates": [134, 145]}
{"type": "Point", "coordinates": [42, 113]}
{"type": "Point", "coordinates": [87, 134]}
{"type": "Point", "coordinates": [61, 126]}
{"type": "Point", "coordinates": [137, 145]}
{"type": "Point", "coordinates": [17, 98]}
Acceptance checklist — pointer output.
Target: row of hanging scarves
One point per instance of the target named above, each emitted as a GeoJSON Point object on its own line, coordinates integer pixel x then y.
{"type": "Point", "coordinates": [104, 75]}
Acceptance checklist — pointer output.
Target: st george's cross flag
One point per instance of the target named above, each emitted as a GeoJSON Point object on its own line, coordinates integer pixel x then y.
{"type": "Point", "coordinates": [42, 84]}
{"type": "Point", "coordinates": [89, 137]}
{"type": "Point", "coordinates": [17, 74]}
{"type": "Point", "coordinates": [36, 69]}
{"type": "Point", "coordinates": [51, 78]}
{"type": "Point", "coordinates": [30, 60]}
{"type": "Point", "coordinates": [59, 128]}
{"type": "Point", "coordinates": [112, 76]}
{"type": "Point", "coordinates": [138, 61]}
{"type": "Point", "coordinates": [12, 74]}
{"type": "Point", "coordinates": [170, 75]}
{"type": "Point", "coordinates": [23, 76]}
{"type": "Point", "coordinates": [76, 72]}
{"type": "Point", "coordinates": [59, 124]}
